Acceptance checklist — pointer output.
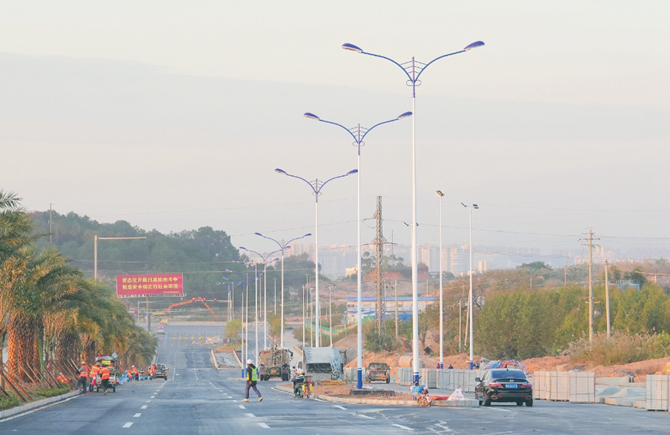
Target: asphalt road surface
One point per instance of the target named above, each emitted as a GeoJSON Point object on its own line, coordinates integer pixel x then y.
{"type": "Point", "coordinates": [197, 399]}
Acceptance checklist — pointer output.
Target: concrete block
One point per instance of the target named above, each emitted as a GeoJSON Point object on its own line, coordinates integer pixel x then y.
{"type": "Point", "coordinates": [657, 392]}
{"type": "Point", "coordinates": [429, 377]}
{"type": "Point", "coordinates": [582, 388]}
{"type": "Point", "coordinates": [559, 389]}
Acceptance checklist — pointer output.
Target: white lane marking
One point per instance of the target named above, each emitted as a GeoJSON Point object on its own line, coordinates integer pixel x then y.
{"type": "Point", "coordinates": [403, 427]}
{"type": "Point", "coordinates": [38, 409]}
{"type": "Point", "coordinates": [127, 425]}
{"type": "Point", "coordinates": [318, 400]}
{"type": "Point", "coordinates": [137, 415]}
{"type": "Point", "coordinates": [250, 415]}
{"type": "Point", "coordinates": [153, 397]}
{"type": "Point", "coordinates": [365, 416]}
{"type": "Point", "coordinates": [144, 407]}
{"type": "Point", "coordinates": [241, 406]}
{"type": "Point", "coordinates": [148, 401]}
{"type": "Point", "coordinates": [341, 407]}
{"type": "Point", "coordinates": [264, 425]}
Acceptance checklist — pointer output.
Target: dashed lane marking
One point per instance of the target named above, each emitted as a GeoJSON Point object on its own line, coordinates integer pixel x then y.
{"type": "Point", "coordinates": [250, 415]}
{"type": "Point", "coordinates": [241, 406]}
{"type": "Point", "coordinates": [127, 425]}
{"type": "Point", "coordinates": [264, 425]}
{"type": "Point", "coordinates": [365, 416]}
{"type": "Point", "coordinates": [148, 401]}
{"type": "Point", "coordinates": [153, 397]}
{"type": "Point", "coordinates": [403, 427]}
{"type": "Point", "coordinates": [144, 407]}
{"type": "Point", "coordinates": [341, 407]}
{"type": "Point", "coordinates": [137, 415]}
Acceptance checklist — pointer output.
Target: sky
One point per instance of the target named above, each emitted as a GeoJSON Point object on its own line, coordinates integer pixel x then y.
{"type": "Point", "coordinates": [174, 114]}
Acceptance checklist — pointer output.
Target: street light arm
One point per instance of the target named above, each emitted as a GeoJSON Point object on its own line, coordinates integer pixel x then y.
{"type": "Point", "coordinates": [390, 60]}
{"type": "Point", "coordinates": [353, 171]}
{"type": "Point", "coordinates": [280, 171]}
{"type": "Point", "coordinates": [436, 59]}
{"type": "Point", "coordinates": [357, 140]}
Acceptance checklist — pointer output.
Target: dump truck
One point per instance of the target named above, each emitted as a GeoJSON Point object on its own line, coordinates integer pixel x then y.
{"type": "Point", "coordinates": [378, 372]}
{"type": "Point", "coordinates": [275, 363]}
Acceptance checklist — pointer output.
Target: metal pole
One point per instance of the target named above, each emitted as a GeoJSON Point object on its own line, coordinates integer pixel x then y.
{"type": "Point", "coordinates": [265, 304]}
{"type": "Point", "coordinates": [590, 286]}
{"type": "Point", "coordinates": [330, 306]}
{"type": "Point", "coordinates": [274, 311]}
{"type": "Point", "coordinates": [316, 271]}
{"type": "Point", "coordinates": [396, 307]}
{"type": "Point", "coordinates": [607, 300]}
{"type": "Point", "coordinates": [95, 257]}
{"type": "Point", "coordinates": [148, 316]}
{"type": "Point", "coordinates": [282, 298]}
{"type": "Point", "coordinates": [415, 277]}
{"type": "Point", "coordinates": [470, 303]}
{"type": "Point", "coordinates": [256, 308]}
{"type": "Point", "coordinates": [246, 329]}
{"type": "Point", "coordinates": [303, 317]}
{"type": "Point", "coordinates": [359, 283]}
{"type": "Point", "coordinates": [441, 292]}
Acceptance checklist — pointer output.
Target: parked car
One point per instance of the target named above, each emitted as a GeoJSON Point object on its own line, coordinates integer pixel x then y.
{"type": "Point", "coordinates": [504, 385]}
{"type": "Point", "coordinates": [161, 372]}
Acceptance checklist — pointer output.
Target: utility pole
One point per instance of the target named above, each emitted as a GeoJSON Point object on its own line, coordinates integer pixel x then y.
{"type": "Point", "coordinates": [396, 307]}
{"type": "Point", "coordinates": [590, 245]}
{"type": "Point", "coordinates": [565, 271]}
{"type": "Point", "coordinates": [303, 317]}
{"type": "Point", "coordinates": [50, 223]}
{"type": "Point", "coordinates": [380, 305]}
{"type": "Point", "coordinates": [607, 300]}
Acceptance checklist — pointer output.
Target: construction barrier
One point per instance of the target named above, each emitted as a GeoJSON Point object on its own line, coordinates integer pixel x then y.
{"type": "Point", "coordinates": [541, 385]}
{"type": "Point", "coordinates": [559, 384]}
{"type": "Point", "coordinates": [658, 392]}
{"type": "Point", "coordinates": [446, 379]}
{"type": "Point", "coordinates": [350, 374]}
{"type": "Point", "coordinates": [404, 376]}
{"type": "Point", "coordinates": [429, 377]}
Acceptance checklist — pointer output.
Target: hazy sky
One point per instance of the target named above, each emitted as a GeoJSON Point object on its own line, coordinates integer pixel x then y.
{"type": "Point", "coordinates": [173, 114]}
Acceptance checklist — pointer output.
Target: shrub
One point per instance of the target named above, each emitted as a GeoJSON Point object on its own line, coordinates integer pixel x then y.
{"type": "Point", "coordinates": [50, 392]}
{"type": "Point", "coordinates": [620, 348]}
{"type": "Point", "coordinates": [9, 402]}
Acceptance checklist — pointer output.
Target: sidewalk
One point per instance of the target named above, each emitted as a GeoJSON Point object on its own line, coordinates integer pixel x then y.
{"type": "Point", "coordinates": [37, 404]}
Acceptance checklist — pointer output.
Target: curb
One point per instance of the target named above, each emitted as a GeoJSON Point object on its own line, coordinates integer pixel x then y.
{"type": "Point", "coordinates": [396, 402]}
{"type": "Point", "coordinates": [37, 404]}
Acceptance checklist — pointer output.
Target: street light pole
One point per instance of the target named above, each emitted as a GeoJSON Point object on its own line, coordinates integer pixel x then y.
{"type": "Point", "coordinates": [413, 71]}
{"type": "Point", "coordinates": [440, 195]}
{"type": "Point", "coordinates": [282, 247]}
{"type": "Point", "coordinates": [316, 187]}
{"type": "Point", "coordinates": [470, 301]}
{"type": "Point", "coordinates": [358, 133]}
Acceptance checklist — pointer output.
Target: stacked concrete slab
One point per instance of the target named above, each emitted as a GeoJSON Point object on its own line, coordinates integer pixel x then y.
{"type": "Point", "coordinates": [429, 377]}
{"type": "Point", "coordinates": [350, 374]}
{"type": "Point", "coordinates": [404, 376]}
{"type": "Point", "coordinates": [658, 393]}
{"type": "Point", "coordinates": [576, 387]}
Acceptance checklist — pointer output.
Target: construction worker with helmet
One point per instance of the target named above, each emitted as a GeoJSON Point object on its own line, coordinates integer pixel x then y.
{"type": "Point", "coordinates": [95, 368]}
{"type": "Point", "coordinates": [83, 377]}
{"type": "Point", "coordinates": [252, 378]}
{"type": "Point", "coordinates": [105, 374]}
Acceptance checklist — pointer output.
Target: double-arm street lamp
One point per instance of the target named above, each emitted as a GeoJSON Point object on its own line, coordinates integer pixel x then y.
{"type": "Point", "coordinates": [471, 207]}
{"type": "Point", "coordinates": [413, 70]}
{"type": "Point", "coordinates": [266, 259]}
{"type": "Point", "coordinates": [316, 187]}
{"type": "Point", "coordinates": [358, 133]}
{"type": "Point", "coordinates": [282, 247]}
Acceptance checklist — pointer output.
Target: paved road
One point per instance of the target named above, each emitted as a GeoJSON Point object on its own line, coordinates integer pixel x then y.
{"type": "Point", "coordinates": [197, 399]}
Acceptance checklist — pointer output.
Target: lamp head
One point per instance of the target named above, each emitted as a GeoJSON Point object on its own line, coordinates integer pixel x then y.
{"type": "Point", "coordinates": [439, 193]}
{"type": "Point", "coordinates": [243, 248]}
{"type": "Point", "coordinates": [352, 47]}
{"type": "Point", "coordinates": [280, 171]}
{"type": "Point", "coordinates": [405, 115]}
{"type": "Point", "coordinates": [307, 235]}
{"type": "Point", "coordinates": [475, 206]}
{"type": "Point", "coordinates": [474, 45]}
{"type": "Point", "coordinates": [311, 116]}
{"type": "Point", "coordinates": [259, 234]}
{"type": "Point", "coordinates": [353, 171]}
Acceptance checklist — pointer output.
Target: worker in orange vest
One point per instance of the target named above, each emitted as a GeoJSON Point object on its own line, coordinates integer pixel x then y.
{"type": "Point", "coordinates": [136, 374]}
{"type": "Point", "coordinates": [83, 377]}
{"type": "Point", "coordinates": [104, 375]}
{"type": "Point", "coordinates": [61, 377]}
{"type": "Point", "coordinates": [95, 368]}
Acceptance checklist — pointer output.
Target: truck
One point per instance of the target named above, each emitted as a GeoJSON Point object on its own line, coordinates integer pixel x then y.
{"type": "Point", "coordinates": [378, 372]}
{"type": "Point", "coordinates": [274, 363]}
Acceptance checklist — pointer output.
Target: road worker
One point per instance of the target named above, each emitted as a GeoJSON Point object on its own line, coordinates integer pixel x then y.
{"type": "Point", "coordinates": [104, 375]}
{"type": "Point", "coordinates": [83, 377]}
{"type": "Point", "coordinates": [252, 378]}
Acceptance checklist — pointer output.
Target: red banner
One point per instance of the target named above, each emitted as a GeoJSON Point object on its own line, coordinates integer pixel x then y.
{"type": "Point", "coordinates": [167, 284]}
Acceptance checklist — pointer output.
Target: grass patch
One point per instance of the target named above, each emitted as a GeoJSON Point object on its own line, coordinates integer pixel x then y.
{"type": "Point", "coordinates": [620, 348]}
{"type": "Point", "coordinates": [9, 402]}
{"type": "Point", "coordinates": [50, 392]}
